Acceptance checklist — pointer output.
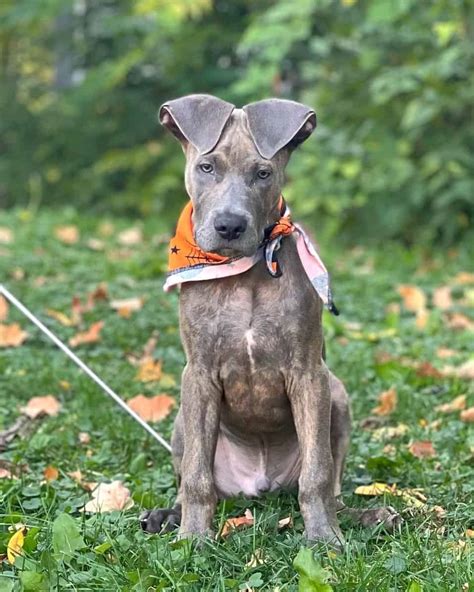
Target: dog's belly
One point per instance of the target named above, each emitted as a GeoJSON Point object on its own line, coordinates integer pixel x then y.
{"type": "Point", "coordinates": [255, 464]}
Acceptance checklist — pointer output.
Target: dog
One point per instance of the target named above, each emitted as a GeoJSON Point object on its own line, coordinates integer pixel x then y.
{"type": "Point", "coordinates": [260, 410]}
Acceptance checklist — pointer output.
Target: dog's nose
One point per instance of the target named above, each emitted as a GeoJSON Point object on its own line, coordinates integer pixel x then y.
{"type": "Point", "coordinates": [230, 226]}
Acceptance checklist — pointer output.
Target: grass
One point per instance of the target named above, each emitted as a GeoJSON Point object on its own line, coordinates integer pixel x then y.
{"type": "Point", "coordinates": [429, 553]}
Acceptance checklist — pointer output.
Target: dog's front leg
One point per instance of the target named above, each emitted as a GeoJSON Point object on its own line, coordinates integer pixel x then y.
{"type": "Point", "coordinates": [310, 399]}
{"type": "Point", "coordinates": [200, 405]}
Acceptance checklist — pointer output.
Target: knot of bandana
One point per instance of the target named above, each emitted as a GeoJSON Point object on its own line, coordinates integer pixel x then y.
{"type": "Point", "coordinates": [189, 263]}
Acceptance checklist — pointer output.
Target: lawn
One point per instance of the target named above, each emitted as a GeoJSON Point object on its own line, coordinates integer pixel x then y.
{"type": "Point", "coordinates": [377, 344]}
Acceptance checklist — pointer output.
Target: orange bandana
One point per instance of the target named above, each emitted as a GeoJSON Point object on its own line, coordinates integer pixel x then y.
{"type": "Point", "coordinates": [188, 262]}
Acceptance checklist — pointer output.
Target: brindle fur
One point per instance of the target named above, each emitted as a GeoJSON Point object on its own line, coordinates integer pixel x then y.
{"type": "Point", "coordinates": [260, 410]}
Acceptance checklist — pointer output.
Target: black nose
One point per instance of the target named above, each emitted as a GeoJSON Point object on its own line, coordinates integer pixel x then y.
{"type": "Point", "coordinates": [230, 226]}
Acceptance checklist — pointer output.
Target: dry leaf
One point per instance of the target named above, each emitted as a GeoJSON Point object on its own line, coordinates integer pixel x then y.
{"type": "Point", "coordinates": [442, 298]}
{"type": "Point", "coordinates": [61, 317]}
{"type": "Point", "coordinates": [126, 306]}
{"type": "Point", "coordinates": [149, 370]}
{"type": "Point", "coordinates": [469, 533]}
{"type": "Point", "coordinates": [414, 497]}
{"type": "Point", "coordinates": [257, 558]}
{"type": "Point", "coordinates": [51, 473]}
{"type": "Point", "coordinates": [12, 335]}
{"type": "Point", "coordinates": [152, 408]}
{"type": "Point", "coordinates": [47, 405]}
{"type": "Point", "coordinates": [108, 497]}
{"type": "Point", "coordinates": [427, 369]}
{"type": "Point", "coordinates": [445, 352]}
{"type": "Point", "coordinates": [422, 317]}
{"type": "Point", "coordinates": [3, 308]}
{"type": "Point", "coordinates": [15, 545]}
{"type": "Point", "coordinates": [84, 438]}
{"type": "Point", "coordinates": [459, 321]}
{"type": "Point", "coordinates": [457, 404]}
{"type": "Point", "coordinates": [387, 402]}
{"type": "Point", "coordinates": [389, 432]}
{"type": "Point", "coordinates": [78, 478]}
{"type": "Point", "coordinates": [285, 522]}
{"type": "Point", "coordinates": [422, 449]}
{"type": "Point", "coordinates": [92, 335]}
{"type": "Point", "coordinates": [468, 415]}
{"type": "Point", "coordinates": [414, 298]}
{"type": "Point", "coordinates": [131, 236]}
{"type": "Point", "coordinates": [232, 523]}
{"type": "Point", "coordinates": [464, 371]}
{"type": "Point", "coordinates": [69, 234]}
{"type": "Point", "coordinates": [376, 488]}
{"type": "Point", "coordinates": [6, 236]}
{"type": "Point", "coordinates": [95, 244]}
{"type": "Point", "coordinates": [464, 277]}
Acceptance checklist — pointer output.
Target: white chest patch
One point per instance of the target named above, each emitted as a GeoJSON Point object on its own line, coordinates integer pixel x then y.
{"type": "Point", "coordinates": [250, 344]}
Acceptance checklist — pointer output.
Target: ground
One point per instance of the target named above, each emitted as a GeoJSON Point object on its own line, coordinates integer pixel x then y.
{"type": "Point", "coordinates": [375, 345]}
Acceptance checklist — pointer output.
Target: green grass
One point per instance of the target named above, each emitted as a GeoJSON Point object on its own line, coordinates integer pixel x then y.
{"type": "Point", "coordinates": [426, 554]}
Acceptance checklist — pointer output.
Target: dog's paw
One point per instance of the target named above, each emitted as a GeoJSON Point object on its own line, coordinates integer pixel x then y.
{"type": "Point", "coordinates": [160, 520]}
{"type": "Point", "coordinates": [386, 516]}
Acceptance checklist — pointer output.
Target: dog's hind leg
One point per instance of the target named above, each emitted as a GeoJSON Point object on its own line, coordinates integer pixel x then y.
{"type": "Point", "coordinates": [168, 519]}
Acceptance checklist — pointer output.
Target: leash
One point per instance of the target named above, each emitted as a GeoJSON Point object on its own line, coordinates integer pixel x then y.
{"type": "Point", "coordinates": [71, 355]}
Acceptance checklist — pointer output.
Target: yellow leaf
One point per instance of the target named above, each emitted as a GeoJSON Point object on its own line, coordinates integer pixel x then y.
{"type": "Point", "coordinates": [15, 545]}
{"type": "Point", "coordinates": [149, 370]}
{"type": "Point", "coordinates": [414, 298]}
{"type": "Point", "coordinates": [387, 402]}
{"type": "Point", "coordinates": [69, 235]}
{"type": "Point", "coordinates": [376, 488]}
{"type": "Point", "coordinates": [457, 404]}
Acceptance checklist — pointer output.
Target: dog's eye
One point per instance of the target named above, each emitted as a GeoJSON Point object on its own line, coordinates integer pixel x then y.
{"type": "Point", "coordinates": [263, 174]}
{"type": "Point", "coordinates": [206, 167]}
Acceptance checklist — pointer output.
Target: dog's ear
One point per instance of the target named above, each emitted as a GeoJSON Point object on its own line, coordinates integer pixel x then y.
{"type": "Point", "coordinates": [197, 119]}
{"type": "Point", "coordinates": [276, 123]}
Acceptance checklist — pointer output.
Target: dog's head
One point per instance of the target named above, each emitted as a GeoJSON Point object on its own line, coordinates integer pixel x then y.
{"type": "Point", "coordinates": [235, 164]}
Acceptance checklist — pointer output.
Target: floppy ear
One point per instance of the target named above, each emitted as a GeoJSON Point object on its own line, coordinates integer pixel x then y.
{"type": "Point", "coordinates": [197, 119]}
{"type": "Point", "coordinates": [276, 123]}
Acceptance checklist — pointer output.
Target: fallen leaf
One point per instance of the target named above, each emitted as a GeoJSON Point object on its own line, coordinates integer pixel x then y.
{"type": "Point", "coordinates": [374, 489]}
{"type": "Point", "coordinates": [6, 236]}
{"type": "Point", "coordinates": [422, 317]}
{"type": "Point", "coordinates": [3, 308]}
{"type": "Point", "coordinates": [387, 402]}
{"type": "Point", "coordinates": [65, 385]}
{"type": "Point", "coordinates": [92, 335]}
{"type": "Point", "coordinates": [106, 229]}
{"type": "Point", "coordinates": [6, 474]}
{"type": "Point", "coordinates": [12, 335]}
{"type": "Point", "coordinates": [464, 371]}
{"type": "Point", "coordinates": [232, 523]}
{"type": "Point", "coordinates": [422, 449]}
{"type": "Point", "coordinates": [459, 321]}
{"type": "Point", "coordinates": [51, 473]}
{"type": "Point", "coordinates": [47, 405]}
{"type": "Point", "coordinates": [84, 438]}
{"type": "Point", "coordinates": [126, 306]}
{"type": "Point", "coordinates": [445, 352]}
{"type": "Point", "coordinates": [69, 234]}
{"type": "Point", "coordinates": [285, 522]}
{"type": "Point", "coordinates": [149, 370]}
{"type": "Point", "coordinates": [426, 369]}
{"type": "Point", "coordinates": [468, 415]}
{"type": "Point", "coordinates": [61, 317]}
{"type": "Point", "coordinates": [15, 545]}
{"type": "Point", "coordinates": [457, 404]}
{"type": "Point", "coordinates": [257, 558]}
{"type": "Point", "coordinates": [131, 236]}
{"type": "Point", "coordinates": [464, 277]}
{"type": "Point", "coordinates": [95, 244]}
{"type": "Point", "coordinates": [78, 478]}
{"type": "Point", "coordinates": [389, 432]}
{"type": "Point", "coordinates": [413, 497]}
{"type": "Point", "coordinates": [442, 298]}
{"type": "Point", "coordinates": [470, 533]}
{"type": "Point", "coordinates": [108, 497]}
{"type": "Point", "coordinates": [414, 299]}
{"type": "Point", "coordinates": [152, 408]}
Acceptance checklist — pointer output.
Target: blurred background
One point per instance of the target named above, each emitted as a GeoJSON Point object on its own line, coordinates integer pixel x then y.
{"type": "Point", "coordinates": [391, 81]}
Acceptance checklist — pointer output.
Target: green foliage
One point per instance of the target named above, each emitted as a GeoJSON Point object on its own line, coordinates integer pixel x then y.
{"type": "Point", "coordinates": [313, 578]}
{"type": "Point", "coordinates": [66, 537]}
{"type": "Point", "coordinates": [391, 81]}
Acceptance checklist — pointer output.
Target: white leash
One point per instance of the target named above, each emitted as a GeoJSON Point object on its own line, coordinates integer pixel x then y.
{"type": "Point", "coordinates": [9, 296]}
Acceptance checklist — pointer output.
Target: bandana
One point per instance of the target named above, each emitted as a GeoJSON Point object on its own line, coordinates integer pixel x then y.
{"type": "Point", "coordinates": [189, 263]}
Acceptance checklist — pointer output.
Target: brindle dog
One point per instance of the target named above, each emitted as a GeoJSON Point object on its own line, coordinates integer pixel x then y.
{"type": "Point", "coordinates": [260, 410]}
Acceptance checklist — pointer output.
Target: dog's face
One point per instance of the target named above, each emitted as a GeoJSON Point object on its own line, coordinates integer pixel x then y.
{"type": "Point", "coordinates": [235, 165]}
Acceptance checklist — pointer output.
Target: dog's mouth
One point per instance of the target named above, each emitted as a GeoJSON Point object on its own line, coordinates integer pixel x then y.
{"type": "Point", "coordinates": [230, 252]}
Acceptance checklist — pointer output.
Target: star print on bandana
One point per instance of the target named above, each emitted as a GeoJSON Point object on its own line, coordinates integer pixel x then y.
{"type": "Point", "coordinates": [175, 250]}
